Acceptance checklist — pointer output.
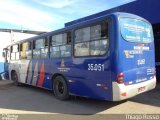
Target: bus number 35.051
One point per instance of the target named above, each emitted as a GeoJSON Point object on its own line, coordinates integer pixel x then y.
{"type": "Point", "coordinates": [96, 67]}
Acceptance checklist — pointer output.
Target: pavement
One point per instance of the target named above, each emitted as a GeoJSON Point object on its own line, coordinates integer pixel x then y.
{"type": "Point", "coordinates": [26, 99]}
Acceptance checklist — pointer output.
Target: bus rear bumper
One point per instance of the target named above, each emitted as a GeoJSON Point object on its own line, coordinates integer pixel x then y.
{"type": "Point", "coordinates": [122, 92]}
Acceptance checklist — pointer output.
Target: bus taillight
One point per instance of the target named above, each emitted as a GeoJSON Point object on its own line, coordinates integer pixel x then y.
{"type": "Point", "coordinates": [120, 78]}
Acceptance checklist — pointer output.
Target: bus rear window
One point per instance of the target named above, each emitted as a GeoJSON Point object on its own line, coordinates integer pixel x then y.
{"type": "Point", "coordinates": [134, 30]}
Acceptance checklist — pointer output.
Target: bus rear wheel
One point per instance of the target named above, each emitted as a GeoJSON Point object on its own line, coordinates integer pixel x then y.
{"type": "Point", "coordinates": [14, 77]}
{"type": "Point", "coordinates": [60, 88]}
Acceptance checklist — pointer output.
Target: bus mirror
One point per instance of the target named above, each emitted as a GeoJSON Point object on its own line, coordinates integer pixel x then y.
{"type": "Point", "coordinates": [3, 54]}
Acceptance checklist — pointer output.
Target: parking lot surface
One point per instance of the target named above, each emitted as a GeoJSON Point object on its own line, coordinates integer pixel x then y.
{"type": "Point", "coordinates": [27, 99]}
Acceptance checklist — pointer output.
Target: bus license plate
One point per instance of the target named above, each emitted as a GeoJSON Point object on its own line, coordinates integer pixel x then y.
{"type": "Point", "coordinates": [141, 89]}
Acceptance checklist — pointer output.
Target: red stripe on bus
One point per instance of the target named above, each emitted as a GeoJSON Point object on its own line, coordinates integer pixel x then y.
{"type": "Point", "coordinates": [41, 77]}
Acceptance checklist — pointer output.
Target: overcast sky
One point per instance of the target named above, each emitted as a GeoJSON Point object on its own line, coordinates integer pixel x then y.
{"type": "Point", "coordinates": [48, 15]}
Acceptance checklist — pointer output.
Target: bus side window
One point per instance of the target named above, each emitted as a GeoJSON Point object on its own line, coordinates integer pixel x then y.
{"type": "Point", "coordinates": [95, 32]}
{"type": "Point", "coordinates": [81, 47]}
{"type": "Point", "coordinates": [40, 48]}
{"type": "Point", "coordinates": [99, 44]}
{"type": "Point", "coordinates": [96, 45]}
{"type": "Point", "coordinates": [26, 50]}
{"type": "Point", "coordinates": [60, 45]}
{"type": "Point", "coordinates": [104, 30]}
{"type": "Point", "coordinates": [55, 52]}
{"type": "Point", "coordinates": [65, 49]}
{"type": "Point", "coordinates": [12, 54]}
{"type": "Point", "coordinates": [68, 37]}
{"type": "Point", "coordinates": [23, 48]}
{"type": "Point", "coordinates": [29, 50]}
{"type": "Point", "coordinates": [8, 54]}
{"type": "Point", "coordinates": [15, 52]}
{"type": "Point", "coordinates": [36, 48]}
{"type": "Point", "coordinates": [44, 48]}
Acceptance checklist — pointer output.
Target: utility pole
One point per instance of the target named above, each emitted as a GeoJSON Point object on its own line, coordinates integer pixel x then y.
{"type": "Point", "coordinates": [21, 29]}
{"type": "Point", "coordinates": [12, 36]}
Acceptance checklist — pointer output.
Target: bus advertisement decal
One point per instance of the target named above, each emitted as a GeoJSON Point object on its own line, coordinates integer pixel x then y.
{"type": "Point", "coordinates": [131, 53]}
{"type": "Point", "coordinates": [41, 76]}
{"type": "Point", "coordinates": [28, 69]}
{"type": "Point", "coordinates": [150, 71]}
{"type": "Point", "coordinates": [141, 48]}
{"type": "Point", "coordinates": [29, 73]}
{"type": "Point", "coordinates": [63, 67]}
{"type": "Point", "coordinates": [141, 62]}
{"type": "Point", "coordinates": [35, 74]}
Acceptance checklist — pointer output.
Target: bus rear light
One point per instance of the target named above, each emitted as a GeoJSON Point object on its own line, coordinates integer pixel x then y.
{"type": "Point", "coordinates": [124, 94]}
{"type": "Point", "coordinates": [120, 78]}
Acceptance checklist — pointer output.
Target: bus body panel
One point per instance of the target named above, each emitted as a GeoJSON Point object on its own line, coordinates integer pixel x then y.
{"type": "Point", "coordinates": [135, 61]}
{"type": "Point", "coordinates": [91, 83]}
{"type": "Point", "coordinates": [86, 83]}
{"type": "Point", "coordinates": [121, 91]}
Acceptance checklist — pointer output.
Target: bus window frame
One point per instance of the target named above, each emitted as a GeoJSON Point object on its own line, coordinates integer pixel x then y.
{"type": "Point", "coordinates": [11, 49]}
{"type": "Point", "coordinates": [8, 53]}
{"type": "Point", "coordinates": [26, 50]}
{"type": "Point", "coordinates": [44, 38]}
{"type": "Point", "coordinates": [108, 20]}
{"type": "Point", "coordinates": [67, 43]}
{"type": "Point", "coordinates": [139, 20]}
{"type": "Point", "coordinates": [5, 53]}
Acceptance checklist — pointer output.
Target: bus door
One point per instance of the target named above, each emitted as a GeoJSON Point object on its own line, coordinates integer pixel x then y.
{"type": "Point", "coordinates": [24, 62]}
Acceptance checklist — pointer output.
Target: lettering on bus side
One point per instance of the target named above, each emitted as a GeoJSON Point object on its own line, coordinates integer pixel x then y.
{"type": "Point", "coordinates": [96, 67]}
{"type": "Point", "coordinates": [141, 62]}
{"type": "Point", "coordinates": [131, 53]}
{"type": "Point", "coordinates": [63, 67]}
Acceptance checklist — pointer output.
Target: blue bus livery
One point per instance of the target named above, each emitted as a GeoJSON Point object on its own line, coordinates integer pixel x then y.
{"type": "Point", "coordinates": [107, 58]}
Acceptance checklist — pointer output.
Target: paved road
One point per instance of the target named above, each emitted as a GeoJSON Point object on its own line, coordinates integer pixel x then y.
{"type": "Point", "coordinates": [29, 100]}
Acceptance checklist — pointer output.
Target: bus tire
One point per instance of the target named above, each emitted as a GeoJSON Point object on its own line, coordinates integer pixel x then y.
{"type": "Point", "coordinates": [14, 77]}
{"type": "Point", "coordinates": [60, 88]}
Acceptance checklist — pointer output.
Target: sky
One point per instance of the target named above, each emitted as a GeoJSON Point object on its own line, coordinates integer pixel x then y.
{"type": "Point", "coordinates": [49, 15]}
{"type": "Point", "coordinates": [45, 15]}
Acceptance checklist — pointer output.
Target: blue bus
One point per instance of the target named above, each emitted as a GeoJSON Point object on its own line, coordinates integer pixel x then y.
{"type": "Point", "coordinates": [107, 58]}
